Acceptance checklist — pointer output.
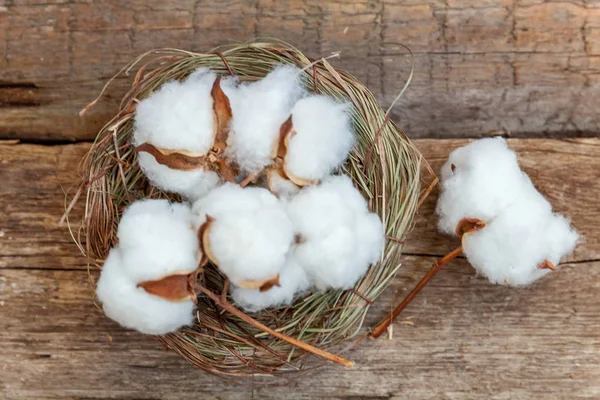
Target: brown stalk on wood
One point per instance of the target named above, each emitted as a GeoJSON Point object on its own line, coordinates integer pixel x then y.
{"type": "Point", "coordinates": [465, 226]}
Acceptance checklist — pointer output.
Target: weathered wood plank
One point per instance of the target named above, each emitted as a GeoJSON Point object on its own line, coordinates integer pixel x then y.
{"type": "Point", "coordinates": [525, 67]}
{"type": "Point", "coordinates": [467, 340]}
{"type": "Point", "coordinates": [566, 171]}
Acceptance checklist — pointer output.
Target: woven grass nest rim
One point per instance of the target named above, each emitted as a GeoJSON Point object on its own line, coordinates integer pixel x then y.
{"type": "Point", "coordinates": [384, 166]}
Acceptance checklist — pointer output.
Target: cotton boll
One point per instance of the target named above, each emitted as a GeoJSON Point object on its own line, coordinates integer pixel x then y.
{"type": "Point", "coordinates": [486, 179]}
{"type": "Point", "coordinates": [293, 282]}
{"type": "Point", "coordinates": [178, 116]}
{"type": "Point", "coordinates": [259, 109]}
{"type": "Point", "coordinates": [158, 239]}
{"type": "Point", "coordinates": [134, 308]}
{"type": "Point", "coordinates": [509, 249]}
{"type": "Point", "coordinates": [322, 140]}
{"type": "Point", "coordinates": [250, 235]}
{"type": "Point", "coordinates": [190, 184]}
{"type": "Point", "coordinates": [339, 237]}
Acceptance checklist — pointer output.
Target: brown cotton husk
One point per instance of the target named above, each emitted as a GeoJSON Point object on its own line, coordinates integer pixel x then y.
{"type": "Point", "coordinates": [174, 159]}
{"type": "Point", "coordinates": [546, 264]}
{"type": "Point", "coordinates": [222, 117]}
{"type": "Point", "coordinates": [175, 287]}
{"type": "Point", "coordinates": [467, 225]}
{"type": "Point", "coordinates": [384, 166]}
{"type": "Point", "coordinates": [204, 241]}
{"type": "Point", "coordinates": [262, 285]}
{"type": "Point", "coordinates": [279, 154]}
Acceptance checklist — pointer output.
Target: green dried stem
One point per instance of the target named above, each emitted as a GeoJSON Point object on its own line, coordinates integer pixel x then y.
{"type": "Point", "coordinates": [390, 179]}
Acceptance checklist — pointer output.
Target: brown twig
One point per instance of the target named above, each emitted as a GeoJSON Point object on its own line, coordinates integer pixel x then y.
{"type": "Point", "coordinates": [225, 305]}
{"type": "Point", "coordinates": [393, 239]}
{"type": "Point", "coordinates": [225, 63]}
{"type": "Point", "coordinates": [438, 265]}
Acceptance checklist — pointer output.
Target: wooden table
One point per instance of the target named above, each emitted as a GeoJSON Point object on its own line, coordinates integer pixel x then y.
{"type": "Point", "coordinates": [528, 68]}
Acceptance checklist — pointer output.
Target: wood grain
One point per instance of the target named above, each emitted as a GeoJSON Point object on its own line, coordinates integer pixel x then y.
{"type": "Point", "coordinates": [467, 340]}
{"type": "Point", "coordinates": [526, 67]}
{"type": "Point", "coordinates": [461, 339]}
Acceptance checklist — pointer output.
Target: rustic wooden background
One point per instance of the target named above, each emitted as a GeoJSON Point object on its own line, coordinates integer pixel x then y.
{"type": "Point", "coordinates": [527, 68]}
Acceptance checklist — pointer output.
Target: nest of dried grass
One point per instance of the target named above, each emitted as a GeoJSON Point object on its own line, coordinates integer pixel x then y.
{"type": "Point", "coordinates": [385, 166]}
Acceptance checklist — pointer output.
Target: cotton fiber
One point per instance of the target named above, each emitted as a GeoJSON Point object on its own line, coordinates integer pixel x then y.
{"type": "Point", "coordinates": [321, 138]}
{"type": "Point", "coordinates": [250, 233]}
{"type": "Point", "coordinates": [259, 109]}
{"type": "Point", "coordinates": [339, 237]}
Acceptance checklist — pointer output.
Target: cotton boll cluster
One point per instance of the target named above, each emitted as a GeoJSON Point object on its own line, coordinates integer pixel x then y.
{"type": "Point", "coordinates": [320, 140]}
{"type": "Point", "coordinates": [142, 284]}
{"type": "Point", "coordinates": [307, 229]}
{"type": "Point", "coordinates": [521, 235]}
{"type": "Point", "coordinates": [340, 238]}
{"type": "Point", "coordinates": [247, 233]}
{"type": "Point", "coordinates": [259, 109]}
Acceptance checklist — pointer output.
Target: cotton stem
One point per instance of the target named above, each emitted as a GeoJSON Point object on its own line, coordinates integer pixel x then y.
{"type": "Point", "coordinates": [438, 265]}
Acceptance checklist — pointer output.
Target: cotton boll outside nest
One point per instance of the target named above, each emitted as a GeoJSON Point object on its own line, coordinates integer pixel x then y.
{"type": "Point", "coordinates": [479, 180]}
{"type": "Point", "coordinates": [158, 239]}
{"type": "Point", "coordinates": [339, 237]}
{"type": "Point", "coordinates": [132, 307]}
{"type": "Point", "coordinates": [178, 116]}
{"type": "Point", "coordinates": [259, 109]}
{"type": "Point", "coordinates": [190, 184]}
{"type": "Point", "coordinates": [320, 139]}
{"type": "Point", "coordinates": [249, 235]}
{"type": "Point", "coordinates": [293, 282]}
{"type": "Point", "coordinates": [513, 246]}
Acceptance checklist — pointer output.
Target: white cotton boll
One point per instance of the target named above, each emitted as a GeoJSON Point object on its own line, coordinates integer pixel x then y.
{"type": "Point", "coordinates": [251, 233]}
{"type": "Point", "coordinates": [158, 239]}
{"type": "Point", "coordinates": [178, 116]}
{"type": "Point", "coordinates": [293, 282]}
{"type": "Point", "coordinates": [509, 249]}
{"type": "Point", "coordinates": [132, 307]}
{"type": "Point", "coordinates": [486, 179]}
{"type": "Point", "coordinates": [322, 140]}
{"type": "Point", "coordinates": [190, 184]}
{"type": "Point", "coordinates": [259, 109]}
{"type": "Point", "coordinates": [340, 237]}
